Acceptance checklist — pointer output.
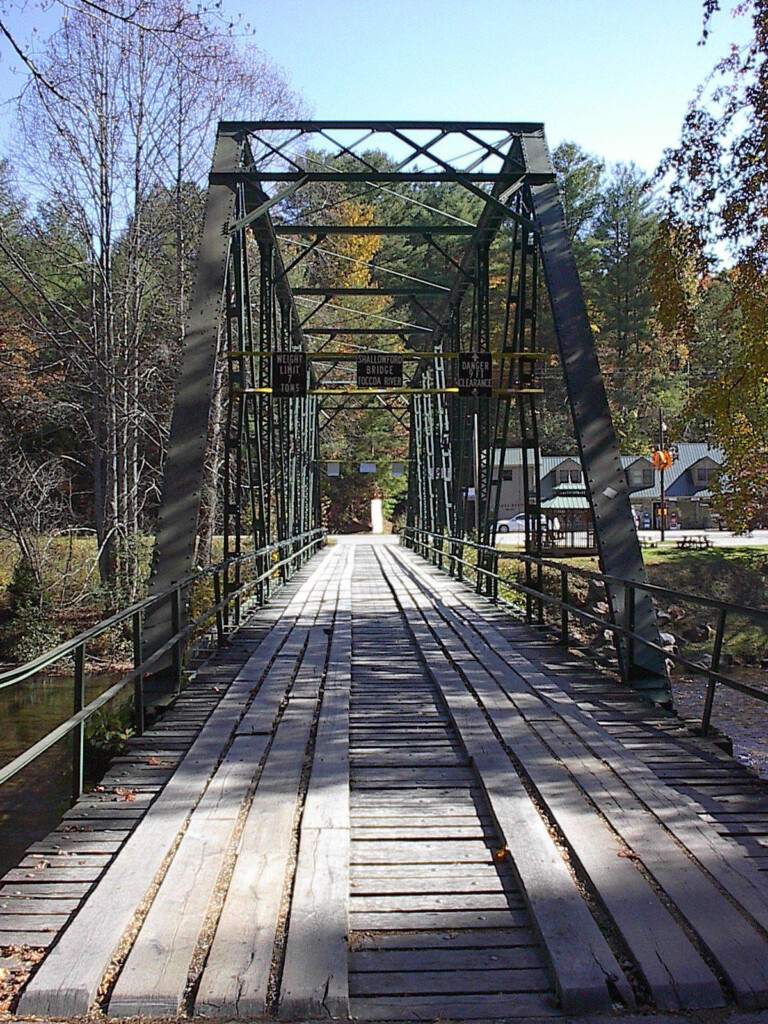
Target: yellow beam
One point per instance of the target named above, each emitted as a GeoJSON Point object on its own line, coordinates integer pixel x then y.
{"type": "Point", "coordinates": [409, 356]}
{"type": "Point", "coordinates": [501, 393]}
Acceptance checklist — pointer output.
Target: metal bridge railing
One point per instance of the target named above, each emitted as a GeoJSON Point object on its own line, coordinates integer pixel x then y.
{"type": "Point", "coordinates": [441, 549]}
{"type": "Point", "coordinates": [294, 551]}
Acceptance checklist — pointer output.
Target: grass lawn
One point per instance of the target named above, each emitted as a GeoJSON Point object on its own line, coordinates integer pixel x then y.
{"type": "Point", "coordinates": [739, 575]}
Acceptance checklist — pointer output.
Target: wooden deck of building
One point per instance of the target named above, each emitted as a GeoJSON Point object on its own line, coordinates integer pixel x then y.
{"type": "Point", "coordinates": [389, 800]}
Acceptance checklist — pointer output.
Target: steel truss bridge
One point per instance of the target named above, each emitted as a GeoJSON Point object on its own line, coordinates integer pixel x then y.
{"type": "Point", "coordinates": [376, 794]}
{"type": "Point", "coordinates": [245, 309]}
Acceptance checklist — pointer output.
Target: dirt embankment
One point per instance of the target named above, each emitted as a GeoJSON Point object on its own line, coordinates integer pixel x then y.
{"type": "Point", "coordinates": [738, 576]}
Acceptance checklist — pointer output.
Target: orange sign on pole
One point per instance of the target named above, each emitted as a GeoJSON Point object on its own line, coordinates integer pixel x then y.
{"type": "Point", "coordinates": [662, 459]}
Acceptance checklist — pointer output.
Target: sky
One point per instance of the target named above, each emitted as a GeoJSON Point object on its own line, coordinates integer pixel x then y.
{"type": "Point", "coordinates": [615, 76]}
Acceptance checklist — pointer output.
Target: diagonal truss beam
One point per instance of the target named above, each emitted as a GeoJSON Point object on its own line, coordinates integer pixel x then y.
{"type": "Point", "coordinates": [607, 489]}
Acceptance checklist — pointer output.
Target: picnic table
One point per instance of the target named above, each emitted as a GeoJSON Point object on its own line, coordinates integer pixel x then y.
{"type": "Point", "coordinates": [696, 541]}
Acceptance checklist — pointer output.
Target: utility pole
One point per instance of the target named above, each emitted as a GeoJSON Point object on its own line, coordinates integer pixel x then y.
{"type": "Point", "coordinates": [662, 512]}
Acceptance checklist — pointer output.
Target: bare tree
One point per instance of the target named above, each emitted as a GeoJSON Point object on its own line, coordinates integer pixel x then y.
{"type": "Point", "coordinates": [119, 138]}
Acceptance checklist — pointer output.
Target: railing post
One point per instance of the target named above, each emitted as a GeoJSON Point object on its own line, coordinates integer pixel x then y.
{"type": "Point", "coordinates": [238, 584]}
{"type": "Point", "coordinates": [219, 611]}
{"type": "Point", "coordinates": [540, 588]}
{"type": "Point", "coordinates": [284, 556]}
{"type": "Point", "coordinates": [176, 627]}
{"type": "Point", "coordinates": [629, 622]}
{"type": "Point", "coordinates": [717, 651]}
{"type": "Point", "coordinates": [262, 565]}
{"type": "Point", "coordinates": [138, 683]}
{"type": "Point", "coordinates": [78, 735]}
{"type": "Point", "coordinates": [225, 588]}
{"type": "Point", "coordinates": [564, 624]}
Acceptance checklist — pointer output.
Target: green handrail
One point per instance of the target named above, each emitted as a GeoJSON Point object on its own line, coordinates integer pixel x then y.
{"type": "Point", "coordinates": [416, 536]}
{"type": "Point", "coordinates": [310, 541]}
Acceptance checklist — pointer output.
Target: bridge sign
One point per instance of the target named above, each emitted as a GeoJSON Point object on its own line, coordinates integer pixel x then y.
{"type": "Point", "coordinates": [289, 374]}
{"type": "Point", "coordinates": [475, 374]}
{"type": "Point", "coordinates": [379, 370]}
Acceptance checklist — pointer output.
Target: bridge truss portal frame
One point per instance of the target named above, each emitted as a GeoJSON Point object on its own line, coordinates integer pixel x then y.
{"type": "Point", "coordinates": [243, 309]}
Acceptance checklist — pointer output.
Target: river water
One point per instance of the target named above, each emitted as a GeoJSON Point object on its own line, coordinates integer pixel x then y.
{"type": "Point", "coordinates": [742, 718]}
{"type": "Point", "coordinates": [32, 802]}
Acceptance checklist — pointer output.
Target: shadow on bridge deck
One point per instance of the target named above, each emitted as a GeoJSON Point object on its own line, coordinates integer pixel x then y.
{"type": "Point", "coordinates": [389, 800]}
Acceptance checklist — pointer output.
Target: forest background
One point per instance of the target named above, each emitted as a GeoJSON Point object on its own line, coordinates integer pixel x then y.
{"type": "Point", "coordinates": [113, 138]}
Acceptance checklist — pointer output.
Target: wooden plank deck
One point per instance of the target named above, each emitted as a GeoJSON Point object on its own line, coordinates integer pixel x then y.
{"type": "Point", "coordinates": [389, 800]}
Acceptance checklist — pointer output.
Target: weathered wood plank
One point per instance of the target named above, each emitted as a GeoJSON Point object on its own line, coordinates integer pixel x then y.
{"type": "Point", "coordinates": [67, 981]}
{"type": "Point", "coordinates": [235, 979]}
{"type": "Point", "coordinates": [37, 940]}
{"type": "Point", "coordinates": [435, 939]}
{"type": "Point", "coordinates": [408, 852]}
{"type": "Point", "coordinates": [46, 890]}
{"type": "Point", "coordinates": [409, 885]}
{"type": "Point", "coordinates": [453, 1007]}
{"type": "Point", "coordinates": [315, 976]}
{"type": "Point", "coordinates": [33, 923]}
{"type": "Point", "coordinates": [437, 919]}
{"type": "Point", "coordinates": [446, 831]}
{"type": "Point", "coordinates": [410, 902]}
{"type": "Point", "coordinates": [315, 979]}
{"type": "Point", "coordinates": [422, 981]}
{"type": "Point", "coordinates": [54, 874]}
{"type": "Point", "coordinates": [448, 959]}
{"type": "Point", "coordinates": [34, 905]}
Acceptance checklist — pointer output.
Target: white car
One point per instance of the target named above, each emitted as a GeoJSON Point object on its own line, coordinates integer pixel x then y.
{"type": "Point", "coordinates": [516, 524]}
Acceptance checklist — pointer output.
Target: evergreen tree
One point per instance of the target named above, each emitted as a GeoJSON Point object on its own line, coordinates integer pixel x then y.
{"type": "Point", "coordinates": [624, 232]}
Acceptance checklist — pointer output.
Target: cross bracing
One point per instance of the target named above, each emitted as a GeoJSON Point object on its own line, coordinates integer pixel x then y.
{"type": "Point", "coordinates": [477, 206]}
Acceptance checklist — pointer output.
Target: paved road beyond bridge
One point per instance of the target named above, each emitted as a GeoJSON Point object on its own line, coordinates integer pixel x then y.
{"type": "Point", "coordinates": [386, 799]}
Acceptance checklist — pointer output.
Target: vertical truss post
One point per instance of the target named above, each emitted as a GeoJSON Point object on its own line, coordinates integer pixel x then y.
{"type": "Point", "coordinates": [525, 341]}
{"type": "Point", "coordinates": [443, 445]}
{"type": "Point", "coordinates": [481, 342]}
{"type": "Point", "coordinates": [412, 504]}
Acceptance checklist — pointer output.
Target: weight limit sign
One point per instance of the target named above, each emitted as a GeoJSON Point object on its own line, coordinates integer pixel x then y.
{"type": "Point", "coordinates": [289, 375]}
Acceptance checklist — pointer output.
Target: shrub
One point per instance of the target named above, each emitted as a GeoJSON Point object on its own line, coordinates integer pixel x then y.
{"type": "Point", "coordinates": [30, 628]}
